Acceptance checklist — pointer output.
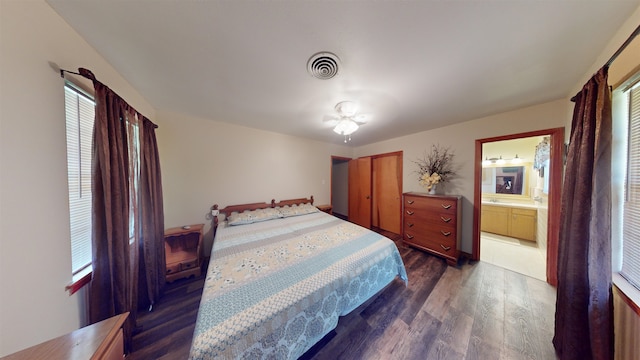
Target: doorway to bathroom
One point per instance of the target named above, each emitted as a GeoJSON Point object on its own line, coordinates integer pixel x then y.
{"type": "Point", "coordinates": [517, 197]}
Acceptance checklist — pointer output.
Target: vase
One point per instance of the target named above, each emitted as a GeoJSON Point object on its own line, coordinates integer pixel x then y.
{"type": "Point", "coordinates": [433, 190]}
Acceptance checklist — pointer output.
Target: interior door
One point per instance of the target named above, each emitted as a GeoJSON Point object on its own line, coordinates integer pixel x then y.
{"type": "Point", "coordinates": [387, 192]}
{"type": "Point", "coordinates": [360, 191]}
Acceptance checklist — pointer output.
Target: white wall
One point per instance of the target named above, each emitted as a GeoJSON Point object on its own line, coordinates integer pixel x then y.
{"type": "Point", "coordinates": [35, 255]}
{"type": "Point", "coordinates": [205, 162]}
{"type": "Point", "coordinates": [461, 139]}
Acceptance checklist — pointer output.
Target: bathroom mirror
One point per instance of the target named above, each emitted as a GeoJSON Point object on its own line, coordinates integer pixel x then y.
{"type": "Point", "coordinates": [504, 180]}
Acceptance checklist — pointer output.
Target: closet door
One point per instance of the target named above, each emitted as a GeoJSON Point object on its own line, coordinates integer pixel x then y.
{"type": "Point", "coordinates": [387, 192]}
{"type": "Point", "coordinates": [360, 191]}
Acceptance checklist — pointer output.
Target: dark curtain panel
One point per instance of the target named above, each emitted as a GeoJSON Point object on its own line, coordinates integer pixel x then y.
{"type": "Point", "coordinates": [111, 284]}
{"type": "Point", "coordinates": [584, 307]}
{"type": "Point", "coordinates": [127, 211]}
{"type": "Point", "coordinates": [152, 266]}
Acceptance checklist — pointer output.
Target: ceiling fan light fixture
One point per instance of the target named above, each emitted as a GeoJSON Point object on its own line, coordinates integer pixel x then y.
{"type": "Point", "coordinates": [347, 108]}
{"type": "Point", "coordinates": [346, 127]}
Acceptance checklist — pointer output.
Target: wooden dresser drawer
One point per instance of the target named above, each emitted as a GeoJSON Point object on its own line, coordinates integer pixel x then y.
{"type": "Point", "coordinates": [437, 203]}
{"type": "Point", "coordinates": [432, 223]}
{"type": "Point", "coordinates": [444, 247]}
{"type": "Point", "coordinates": [418, 217]}
{"type": "Point", "coordinates": [435, 237]}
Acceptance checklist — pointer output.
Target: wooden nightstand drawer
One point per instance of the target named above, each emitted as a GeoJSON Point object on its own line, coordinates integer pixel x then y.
{"type": "Point", "coordinates": [173, 268]}
{"type": "Point", "coordinates": [189, 264]}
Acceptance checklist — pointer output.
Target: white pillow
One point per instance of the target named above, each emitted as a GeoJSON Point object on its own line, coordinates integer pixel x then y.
{"type": "Point", "coordinates": [248, 217]}
{"type": "Point", "coordinates": [295, 210]}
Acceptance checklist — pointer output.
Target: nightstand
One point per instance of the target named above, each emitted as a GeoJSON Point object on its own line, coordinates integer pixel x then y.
{"type": "Point", "coordinates": [325, 208]}
{"type": "Point", "coordinates": [183, 251]}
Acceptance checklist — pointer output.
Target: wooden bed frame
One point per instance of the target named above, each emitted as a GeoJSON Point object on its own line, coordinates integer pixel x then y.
{"type": "Point", "coordinates": [254, 206]}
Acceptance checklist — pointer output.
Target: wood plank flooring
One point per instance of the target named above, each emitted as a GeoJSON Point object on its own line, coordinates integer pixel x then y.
{"type": "Point", "coordinates": [473, 311]}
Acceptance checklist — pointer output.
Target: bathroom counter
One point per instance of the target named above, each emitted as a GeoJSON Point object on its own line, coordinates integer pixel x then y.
{"type": "Point", "coordinates": [513, 204]}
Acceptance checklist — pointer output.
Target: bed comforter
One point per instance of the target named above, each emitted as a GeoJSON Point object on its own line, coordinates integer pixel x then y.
{"type": "Point", "coordinates": [275, 288]}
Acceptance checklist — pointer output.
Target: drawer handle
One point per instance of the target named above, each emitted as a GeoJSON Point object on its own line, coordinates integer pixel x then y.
{"type": "Point", "coordinates": [446, 206]}
{"type": "Point", "coordinates": [410, 202]}
{"type": "Point", "coordinates": [410, 225]}
{"type": "Point", "coordinates": [445, 219]}
{"type": "Point", "coordinates": [445, 233]}
{"type": "Point", "coordinates": [445, 248]}
{"type": "Point", "coordinates": [410, 212]}
{"type": "Point", "coordinates": [409, 236]}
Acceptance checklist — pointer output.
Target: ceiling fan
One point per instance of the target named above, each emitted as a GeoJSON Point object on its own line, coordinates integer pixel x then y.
{"type": "Point", "coordinates": [347, 120]}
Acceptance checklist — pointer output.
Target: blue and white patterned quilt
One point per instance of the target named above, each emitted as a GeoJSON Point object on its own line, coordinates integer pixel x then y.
{"type": "Point", "coordinates": [275, 288]}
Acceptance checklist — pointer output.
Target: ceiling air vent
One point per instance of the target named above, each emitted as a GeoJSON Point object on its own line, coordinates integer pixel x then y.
{"type": "Point", "coordinates": [323, 65]}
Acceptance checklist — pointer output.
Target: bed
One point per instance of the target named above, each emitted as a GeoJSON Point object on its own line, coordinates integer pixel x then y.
{"type": "Point", "coordinates": [279, 277]}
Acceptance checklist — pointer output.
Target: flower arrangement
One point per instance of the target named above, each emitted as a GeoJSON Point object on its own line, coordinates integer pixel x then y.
{"type": "Point", "coordinates": [435, 167]}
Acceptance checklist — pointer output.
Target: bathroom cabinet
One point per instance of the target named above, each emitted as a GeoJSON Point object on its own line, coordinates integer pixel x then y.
{"type": "Point", "coordinates": [512, 221]}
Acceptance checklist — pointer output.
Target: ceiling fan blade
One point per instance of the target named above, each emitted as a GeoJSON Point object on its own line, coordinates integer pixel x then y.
{"type": "Point", "coordinates": [331, 119]}
{"type": "Point", "coordinates": [362, 118]}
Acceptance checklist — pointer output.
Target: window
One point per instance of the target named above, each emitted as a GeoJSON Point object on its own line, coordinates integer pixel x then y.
{"type": "Point", "coordinates": [80, 114]}
{"type": "Point", "coordinates": [630, 268]}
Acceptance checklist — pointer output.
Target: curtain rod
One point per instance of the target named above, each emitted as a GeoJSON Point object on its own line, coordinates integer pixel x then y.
{"type": "Point", "coordinates": [62, 71]}
{"type": "Point", "coordinates": [623, 46]}
{"type": "Point", "coordinates": [89, 75]}
{"type": "Point", "coordinates": [619, 51]}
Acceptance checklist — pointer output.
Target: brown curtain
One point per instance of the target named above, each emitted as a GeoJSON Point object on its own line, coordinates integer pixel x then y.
{"type": "Point", "coordinates": [153, 266]}
{"type": "Point", "coordinates": [127, 213]}
{"type": "Point", "coordinates": [584, 308]}
{"type": "Point", "coordinates": [112, 287]}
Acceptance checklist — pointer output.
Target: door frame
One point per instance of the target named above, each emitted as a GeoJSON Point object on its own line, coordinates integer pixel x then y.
{"type": "Point", "coordinates": [556, 164]}
{"type": "Point", "coordinates": [335, 159]}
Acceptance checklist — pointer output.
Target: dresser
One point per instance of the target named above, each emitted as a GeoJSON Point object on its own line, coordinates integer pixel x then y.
{"type": "Point", "coordinates": [183, 251]}
{"type": "Point", "coordinates": [100, 341]}
{"type": "Point", "coordinates": [432, 223]}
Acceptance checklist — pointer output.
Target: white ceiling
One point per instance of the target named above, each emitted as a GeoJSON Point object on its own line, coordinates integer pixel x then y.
{"type": "Point", "coordinates": [412, 66]}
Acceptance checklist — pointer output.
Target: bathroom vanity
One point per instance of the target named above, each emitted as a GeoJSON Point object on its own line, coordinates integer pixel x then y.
{"type": "Point", "coordinates": [513, 220]}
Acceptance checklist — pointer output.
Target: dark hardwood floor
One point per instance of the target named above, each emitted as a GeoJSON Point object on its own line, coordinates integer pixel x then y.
{"type": "Point", "coordinates": [473, 311]}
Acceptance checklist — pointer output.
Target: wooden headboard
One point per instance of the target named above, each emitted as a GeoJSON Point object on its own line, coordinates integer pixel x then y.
{"type": "Point", "coordinates": [243, 207]}
{"type": "Point", "coordinates": [295, 202]}
{"type": "Point", "coordinates": [253, 206]}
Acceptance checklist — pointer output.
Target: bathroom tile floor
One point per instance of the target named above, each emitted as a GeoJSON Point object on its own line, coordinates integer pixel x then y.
{"type": "Point", "coordinates": [521, 256]}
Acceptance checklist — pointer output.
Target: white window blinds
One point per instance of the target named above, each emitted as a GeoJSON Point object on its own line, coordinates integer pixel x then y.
{"type": "Point", "coordinates": [80, 114]}
{"type": "Point", "coordinates": [631, 227]}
